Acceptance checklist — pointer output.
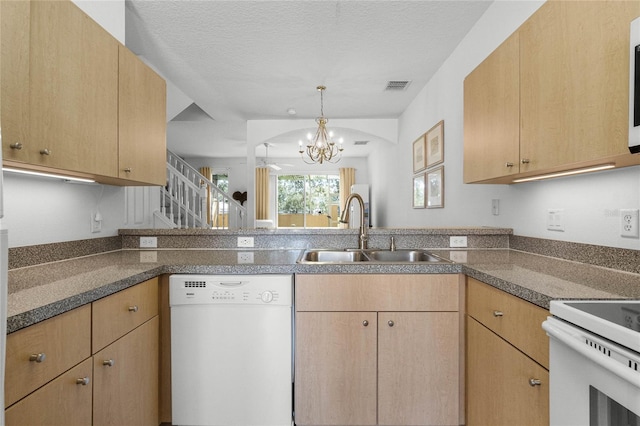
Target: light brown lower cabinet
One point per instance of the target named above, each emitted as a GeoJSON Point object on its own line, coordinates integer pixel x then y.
{"type": "Point", "coordinates": [125, 379]}
{"type": "Point", "coordinates": [507, 382]}
{"type": "Point", "coordinates": [377, 350]}
{"type": "Point", "coordinates": [64, 401]}
{"type": "Point", "coordinates": [53, 378]}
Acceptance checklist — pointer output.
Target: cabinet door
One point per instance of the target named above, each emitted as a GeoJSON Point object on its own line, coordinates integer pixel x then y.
{"type": "Point", "coordinates": [418, 368]}
{"type": "Point", "coordinates": [491, 115]}
{"type": "Point", "coordinates": [73, 89]}
{"type": "Point", "coordinates": [63, 401]}
{"type": "Point", "coordinates": [14, 75]}
{"type": "Point", "coordinates": [575, 82]}
{"type": "Point", "coordinates": [142, 122]}
{"type": "Point", "coordinates": [335, 368]}
{"type": "Point", "coordinates": [125, 389]}
{"type": "Point", "coordinates": [498, 389]}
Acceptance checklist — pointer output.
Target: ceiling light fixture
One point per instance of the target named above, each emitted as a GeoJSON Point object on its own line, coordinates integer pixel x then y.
{"type": "Point", "coordinates": [567, 173]}
{"type": "Point", "coordinates": [321, 148]}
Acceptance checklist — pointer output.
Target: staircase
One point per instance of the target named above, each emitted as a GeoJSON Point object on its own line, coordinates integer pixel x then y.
{"type": "Point", "coordinates": [190, 200]}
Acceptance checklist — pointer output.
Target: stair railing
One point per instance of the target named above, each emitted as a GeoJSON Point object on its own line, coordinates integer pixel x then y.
{"type": "Point", "coordinates": [190, 200]}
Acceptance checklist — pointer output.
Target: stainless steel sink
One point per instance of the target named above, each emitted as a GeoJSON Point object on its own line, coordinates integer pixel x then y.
{"type": "Point", "coordinates": [332, 256]}
{"type": "Point", "coordinates": [404, 256]}
{"type": "Point", "coordinates": [372, 256]}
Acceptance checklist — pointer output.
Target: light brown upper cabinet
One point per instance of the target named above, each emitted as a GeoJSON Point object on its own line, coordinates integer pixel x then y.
{"type": "Point", "coordinates": [68, 116]}
{"type": "Point", "coordinates": [491, 115]}
{"type": "Point", "coordinates": [142, 130]}
{"type": "Point", "coordinates": [75, 101]}
{"type": "Point", "coordinates": [570, 62]}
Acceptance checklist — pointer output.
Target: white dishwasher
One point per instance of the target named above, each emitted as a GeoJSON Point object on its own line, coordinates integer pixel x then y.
{"type": "Point", "coordinates": [231, 350]}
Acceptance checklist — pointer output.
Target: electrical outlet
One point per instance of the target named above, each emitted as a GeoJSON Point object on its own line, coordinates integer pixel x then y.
{"type": "Point", "coordinates": [629, 223]}
{"type": "Point", "coordinates": [148, 242]}
{"type": "Point", "coordinates": [495, 207]}
{"type": "Point", "coordinates": [245, 257]}
{"type": "Point", "coordinates": [458, 241]}
{"type": "Point", "coordinates": [148, 256]}
{"type": "Point", "coordinates": [245, 241]}
{"type": "Point", "coordinates": [96, 222]}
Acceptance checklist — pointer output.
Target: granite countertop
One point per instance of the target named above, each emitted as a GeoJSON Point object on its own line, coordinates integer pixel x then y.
{"type": "Point", "coordinates": [40, 292]}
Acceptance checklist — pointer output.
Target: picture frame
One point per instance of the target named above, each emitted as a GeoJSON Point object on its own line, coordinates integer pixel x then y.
{"type": "Point", "coordinates": [419, 191]}
{"type": "Point", "coordinates": [419, 154]}
{"type": "Point", "coordinates": [435, 188]}
{"type": "Point", "coordinates": [434, 145]}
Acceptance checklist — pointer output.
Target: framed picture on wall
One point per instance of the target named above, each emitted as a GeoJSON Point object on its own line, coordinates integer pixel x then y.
{"type": "Point", "coordinates": [435, 188]}
{"type": "Point", "coordinates": [434, 144]}
{"type": "Point", "coordinates": [419, 155]}
{"type": "Point", "coordinates": [419, 189]}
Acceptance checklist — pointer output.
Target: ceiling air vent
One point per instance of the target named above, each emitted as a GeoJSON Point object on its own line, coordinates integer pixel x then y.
{"type": "Point", "coordinates": [360, 142]}
{"type": "Point", "coordinates": [397, 84]}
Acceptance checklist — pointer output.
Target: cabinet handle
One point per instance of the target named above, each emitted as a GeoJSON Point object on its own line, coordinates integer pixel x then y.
{"type": "Point", "coordinates": [391, 323]}
{"type": "Point", "coordinates": [525, 161]}
{"type": "Point", "coordinates": [84, 381]}
{"type": "Point", "coordinates": [133, 308]}
{"type": "Point", "coordinates": [38, 357]}
{"type": "Point", "coordinates": [508, 164]}
{"type": "Point", "coordinates": [535, 382]}
{"type": "Point", "coordinates": [45, 151]}
{"type": "Point", "coordinates": [108, 362]}
{"type": "Point", "coordinates": [498, 313]}
{"type": "Point", "coordinates": [127, 170]}
{"type": "Point", "coordinates": [365, 323]}
{"type": "Point", "coordinates": [17, 145]}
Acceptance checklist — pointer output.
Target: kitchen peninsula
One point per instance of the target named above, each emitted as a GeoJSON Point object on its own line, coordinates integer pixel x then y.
{"type": "Point", "coordinates": [493, 256]}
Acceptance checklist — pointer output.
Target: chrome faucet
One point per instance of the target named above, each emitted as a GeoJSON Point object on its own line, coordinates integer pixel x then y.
{"type": "Point", "coordinates": [344, 218]}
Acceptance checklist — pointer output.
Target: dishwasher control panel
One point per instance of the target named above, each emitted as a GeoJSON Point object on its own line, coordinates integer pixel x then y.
{"type": "Point", "coordinates": [231, 290]}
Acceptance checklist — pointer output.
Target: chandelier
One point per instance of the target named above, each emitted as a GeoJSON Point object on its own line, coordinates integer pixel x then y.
{"type": "Point", "coordinates": [321, 147]}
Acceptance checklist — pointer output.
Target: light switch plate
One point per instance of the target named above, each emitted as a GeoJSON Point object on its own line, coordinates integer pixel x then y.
{"type": "Point", "coordinates": [148, 242]}
{"type": "Point", "coordinates": [245, 241]}
{"type": "Point", "coordinates": [458, 241]}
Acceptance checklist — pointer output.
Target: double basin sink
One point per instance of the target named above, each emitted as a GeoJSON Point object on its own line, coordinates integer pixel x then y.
{"type": "Point", "coordinates": [372, 256]}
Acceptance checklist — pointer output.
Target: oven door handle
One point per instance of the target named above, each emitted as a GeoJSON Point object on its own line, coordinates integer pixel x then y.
{"type": "Point", "coordinates": [602, 360]}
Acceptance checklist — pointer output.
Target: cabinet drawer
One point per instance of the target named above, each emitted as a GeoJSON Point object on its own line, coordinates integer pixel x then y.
{"type": "Point", "coordinates": [63, 401]}
{"type": "Point", "coordinates": [498, 382]}
{"type": "Point", "coordinates": [62, 342]}
{"type": "Point", "coordinates": [371, 292]}
{"type": "Point", "coordinates": [516, 320]}
{"type": "Point", "coordinates": [116, 315]}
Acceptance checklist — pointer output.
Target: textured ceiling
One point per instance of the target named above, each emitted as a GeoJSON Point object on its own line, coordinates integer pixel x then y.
{"type": "Point", "coordinates": [249, 60]}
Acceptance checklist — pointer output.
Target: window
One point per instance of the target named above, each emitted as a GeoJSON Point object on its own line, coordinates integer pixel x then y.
{"type": "Point", "coordinates": [308, 201]}
{"type": "Point", "coordinates": [221, 181]}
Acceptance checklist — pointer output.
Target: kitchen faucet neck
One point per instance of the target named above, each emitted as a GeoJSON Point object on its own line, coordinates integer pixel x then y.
{"type": "Point", "coordinates": [344, 218]}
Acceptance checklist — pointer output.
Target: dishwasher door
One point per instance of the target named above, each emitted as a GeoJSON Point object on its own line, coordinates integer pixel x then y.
{"type": "Point", "coordinates": [231, 365]}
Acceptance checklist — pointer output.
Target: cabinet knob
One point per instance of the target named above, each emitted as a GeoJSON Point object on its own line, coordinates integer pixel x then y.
{"type": "Point", "coordinates": [108, 363]}
{"type": "Point", "coordinates": [525, 161]}
{"type": "Point", "coordinates": [127, 170]}
{"type": "Point", "coordinates": [498, 313]}
{"type": "Point", "coordinates": [535, 382]}
{"type": "Point", "coordinates": [45, 151]}
{"type": "Point", "coordinates": [38, 357]}
{"type": "Point", "coordinates": [17, 145]}
{"type": "Point", "coordinates": [365, 323]}
{"type": "Point", "coordinates": [133, 308]}
{"type": "Point", "coordinates": [84, 381]}
{"type": "Point", "coordinates": [391, 323]}
{"type": "Point", "coordinates": [508, 164]}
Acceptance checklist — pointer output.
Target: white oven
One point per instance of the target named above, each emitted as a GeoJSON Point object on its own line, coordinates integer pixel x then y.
{"type": "Point", "coordinates": [594, 357]}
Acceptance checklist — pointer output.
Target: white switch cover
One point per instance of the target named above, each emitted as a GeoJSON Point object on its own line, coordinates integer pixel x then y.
{"type": "Point", "coordinates": [245, 241]}
{"type": "Point", "coordinates": [555, 220]}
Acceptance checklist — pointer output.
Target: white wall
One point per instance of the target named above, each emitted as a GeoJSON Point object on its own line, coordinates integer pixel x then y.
{"type": "Point", "coordinates": [591, 203]}
{"type": "Point", "coordinates": [108, 13]}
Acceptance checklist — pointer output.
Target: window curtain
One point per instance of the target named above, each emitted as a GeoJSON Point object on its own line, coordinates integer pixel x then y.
{"type": "Point", "coordinates": [207, 173]}
{"type": "Point", "coordinates": [347, 178]}
{"type": "Point", "coordinates": [262, 193]}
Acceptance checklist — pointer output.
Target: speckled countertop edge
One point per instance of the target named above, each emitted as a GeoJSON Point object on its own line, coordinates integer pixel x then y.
{"type": "Point", "coordinates": [532, 277]}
